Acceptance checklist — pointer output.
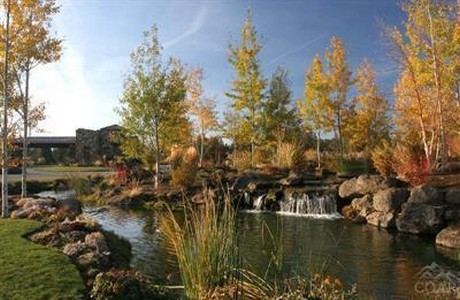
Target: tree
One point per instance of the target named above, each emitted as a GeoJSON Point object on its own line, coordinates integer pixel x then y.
{"type": "Point", "coordinates": [339, 78]}
{"type": "Point", "coordinates": [429, 58]}
{"type": "Point", "coordinates": [202, 109]}
{"type": "Point", "coordinates": [247, 87]}
{"type": "Point", "coordinates": [153, 107]}
{"type": "Point", "coordinates": [278, 115]}
{"type": "Point", "coordinates": [33, 45]}
{"type": "Point", "coordinates": [371, 124]}
{"type": "Point", "coordinates": [6, 40]}
{"type": "Point", "coordinates": [315, 107]}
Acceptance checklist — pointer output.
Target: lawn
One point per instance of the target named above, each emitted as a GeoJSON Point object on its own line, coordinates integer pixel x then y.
{"type": "Point", "coordinates": [71, 169]}
{"type": "Point", "coordinates": [31, 271]}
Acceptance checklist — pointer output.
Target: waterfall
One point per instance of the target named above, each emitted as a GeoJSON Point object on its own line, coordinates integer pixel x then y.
{"type": "Point", "coordinates": [259, 202]}
{"type": "Point", "coordinates": [311, 205]}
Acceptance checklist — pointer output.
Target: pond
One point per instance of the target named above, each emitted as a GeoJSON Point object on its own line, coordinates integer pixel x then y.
{"type": "Point", "coordinates": [384, 265]}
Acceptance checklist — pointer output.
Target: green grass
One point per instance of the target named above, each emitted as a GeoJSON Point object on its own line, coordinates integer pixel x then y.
{"type": "Point", "coordinates": [71, 169]}
{"type": "Point", "coordinates": [31, 271]}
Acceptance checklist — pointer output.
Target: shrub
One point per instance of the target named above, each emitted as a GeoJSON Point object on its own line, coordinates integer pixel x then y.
{"type": "Point", "coordinates": [310, 155]}
{"type": "Point", "coordinates": [382, 158]}
{"type": "Point", "coordinates": [124, 285]}
{"type": "Point", "coordinates": [81, 185]}
{"type": "Point", "coordinates": [284, 156]}
{"type": "Point", "coordinates": [185, 168]}
{"type": "Point", "coordinates": [240, 160]}
{"type": "Point", "coordinates": [410, 164]}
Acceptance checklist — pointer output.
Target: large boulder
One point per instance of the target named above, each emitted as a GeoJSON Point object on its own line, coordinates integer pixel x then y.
{"type": "Point", "coordinates": [449, 237]}
{"type": "Point", "coordinates": [382, 219]}
{"type": "Point", "coordinates": [453, 196]}
{"type": "Point", "coordinates": [426, 194]}
{"type": "Point", "coordinates": [420, 218]}
{"type": "Point", "coordinates": [366, 184]}
{"type": "Point", "coordinates": [390, 200]}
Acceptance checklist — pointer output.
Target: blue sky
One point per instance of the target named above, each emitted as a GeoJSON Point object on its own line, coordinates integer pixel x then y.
{"type": "Point", "coordinates": [83, 88]}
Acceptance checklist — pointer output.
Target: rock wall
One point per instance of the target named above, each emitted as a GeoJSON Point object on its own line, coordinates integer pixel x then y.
{"type": "Point", "coordinates": [387, 203]}
{"type": "Point", "coordinates": [92, 145]}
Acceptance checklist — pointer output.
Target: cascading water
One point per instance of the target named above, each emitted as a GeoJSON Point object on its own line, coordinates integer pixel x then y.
{"type": "Point", "coordinates": [313, 204]}
{"type": "Point", "coordinates": [259, 202]}
{"type": "Point", "coordinates": [320, 205]}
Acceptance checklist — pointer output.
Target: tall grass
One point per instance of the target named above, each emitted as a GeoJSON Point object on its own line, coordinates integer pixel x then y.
{"type": "Point", "coordinates": [205, 245]}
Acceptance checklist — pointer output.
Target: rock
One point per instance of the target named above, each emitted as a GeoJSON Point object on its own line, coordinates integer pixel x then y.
{"type": "Point", "coordinates": [390, 200]}
{"type": "Point", "coordinates": [97, 242]}
{"type": "Point", "coordinates": [359, 208]}
{"type": "Point", "coordinates": [292, 180]}
{"type": "Point", "coordinates": [348, 189]}
{"type": "Point", "coordinates": [382, 219]}
{"type": "Point", "coordinates": [449, 237]}
{"type": "Point", "coordinates": [366, 184]}
{"type": "Point", "coordinates": [352, 215]}
{"type": "Point", "coordinates": [50, 238]}
{"type": "Point", "coordinates": [420, 218]}
{"type": "Point", "coordinates": [73, 205]}
{"type": "Point", "coordinates": [30, 202]}
{"type": "Point", "coordinates": [74, 250]}
{"type": "Point", "coordinates": [452, 215]}
{"type": "Point", "coordinates": [363, 205]}
{"type": "Point", "coordinates": [87, 260]}
{"type": "Point", "coordinates": [252, 181]}
{"type": "Point", "coordinates": [68, 226]}
{"type": "Point", "coordinates": [75, 236]}
{"type": "Point", "coordinates": [453, 196]}
{"type": "Point", "coordinates": [426, 194]}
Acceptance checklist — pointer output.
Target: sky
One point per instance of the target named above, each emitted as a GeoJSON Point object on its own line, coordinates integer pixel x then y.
{"type": "Point", "coordinates": [83, 89]}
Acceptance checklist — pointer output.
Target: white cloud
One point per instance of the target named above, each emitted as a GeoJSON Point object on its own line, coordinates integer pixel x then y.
{"type": "Point", "coordinates": [297, 49]}
{"type": "Point", "coordinates": [194, 28]}
{"type": "Point", "coordinates": [70, 101]}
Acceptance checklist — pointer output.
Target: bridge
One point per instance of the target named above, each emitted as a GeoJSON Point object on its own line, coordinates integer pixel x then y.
{"type": "Point", "coordinates": [48, 141]}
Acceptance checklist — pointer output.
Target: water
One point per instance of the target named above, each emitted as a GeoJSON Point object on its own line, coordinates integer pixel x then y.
{"type": "Point", "coordinates": [314, 205]}
{"type": "Point", "coordinates": [382, 264]}
{"type": "Point", "coordinates": [310, 205]}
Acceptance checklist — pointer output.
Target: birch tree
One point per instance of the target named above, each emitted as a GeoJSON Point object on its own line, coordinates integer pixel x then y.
{"type": "Point", "coordinates": [428, 56]}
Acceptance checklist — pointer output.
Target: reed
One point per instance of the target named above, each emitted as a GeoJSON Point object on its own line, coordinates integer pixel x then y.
{"type": "Point", "coordinates": [205, 244]}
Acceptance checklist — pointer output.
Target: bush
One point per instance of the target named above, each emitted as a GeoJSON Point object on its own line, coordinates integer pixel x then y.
{"type": "Point", "coordinates": [240, 160]}
{"type": "Point", "coordinates": [284, 157]}
{"type": "Point", "coordinates": [185, 168]}
{"type": "Point", "coordinates": [410, 164]}
{"type": "Point", "coordinates": [81, 185]}
{"type": "Point", "coordinates": [382, 158]}
{"type": "Point", "coordinates": [125, 285]}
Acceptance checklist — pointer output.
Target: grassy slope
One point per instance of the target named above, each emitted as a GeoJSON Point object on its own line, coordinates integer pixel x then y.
{"type": "Point", "coordinates": [31, 271]}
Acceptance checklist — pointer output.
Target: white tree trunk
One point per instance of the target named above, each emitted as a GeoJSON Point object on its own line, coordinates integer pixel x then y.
{"type": "Point", "coordinates": [25, 142]}
{"type": "Point", "coordinates": [5, 118]}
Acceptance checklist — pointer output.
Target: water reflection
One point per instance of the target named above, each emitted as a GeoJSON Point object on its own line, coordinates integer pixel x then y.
{"type": "Point", "coordinates": [383, 264]}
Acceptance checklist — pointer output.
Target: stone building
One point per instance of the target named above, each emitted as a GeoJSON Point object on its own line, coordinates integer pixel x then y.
{"type": "Point", "coordinates": [92, 145]}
